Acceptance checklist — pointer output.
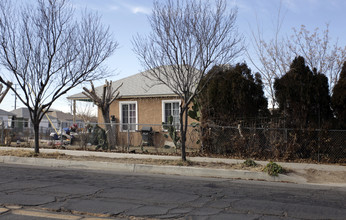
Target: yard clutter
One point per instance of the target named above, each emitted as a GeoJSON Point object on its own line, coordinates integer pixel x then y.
{"type": "Point", "coordinates": [64, 136]}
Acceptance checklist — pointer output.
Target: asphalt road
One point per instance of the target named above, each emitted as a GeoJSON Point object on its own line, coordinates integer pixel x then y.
{"type": "Point", "coordinates": [82, 193]}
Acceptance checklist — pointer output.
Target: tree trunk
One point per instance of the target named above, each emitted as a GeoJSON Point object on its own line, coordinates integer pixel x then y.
{"type": "Point", "coordinates": [183, 135]}
{"type": "Point", "coordinates": [36, 124]}
{"type": "Point", "coordinates": [109, 131]}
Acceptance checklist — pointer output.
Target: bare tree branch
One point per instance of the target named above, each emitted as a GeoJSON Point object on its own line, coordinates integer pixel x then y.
{"type": "Point", "coordinates": [187, 39]}
{"type": "Point", "coordinates": [103, 101]}
{"type": "Point", "coordinates": [48, 51]}
{"type": "Point", "coordinates": [273, 57]}
{"type": "Point", "coordinates": [85, 112]}
{"type": "Point", "coordinates": [3, 94]}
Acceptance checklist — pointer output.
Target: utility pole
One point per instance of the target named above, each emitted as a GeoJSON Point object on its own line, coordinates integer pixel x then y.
{"type": "Point", "coordinates": [15, 97]}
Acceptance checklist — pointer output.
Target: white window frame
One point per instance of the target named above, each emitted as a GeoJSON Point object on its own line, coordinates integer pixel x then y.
{"type": "Point", "coordinates": [163, 108]}
{"type": "Point", "coordinates": [121, 103]}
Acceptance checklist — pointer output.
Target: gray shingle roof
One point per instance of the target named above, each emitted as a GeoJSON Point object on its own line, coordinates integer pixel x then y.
{"type": "Point", "coordinates": [24, 113]}
{"type": "Point", "coordinates": [21, 112]}
{"type": "Point", "coordinates": [62, 116]}
{"type": "Point", "coordinates": [3, 112]}
{"type": "Point", "coordinates": [133, 86]}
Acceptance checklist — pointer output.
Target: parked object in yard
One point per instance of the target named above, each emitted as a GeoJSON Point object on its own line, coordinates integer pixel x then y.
{"type": "Point", "coordinates": [147, 136]}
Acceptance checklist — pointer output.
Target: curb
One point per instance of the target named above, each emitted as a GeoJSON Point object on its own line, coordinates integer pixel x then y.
{"type": "Point", "coordinates": [152, 169]}
{"type": "Point", "coordinates": [287, 165]}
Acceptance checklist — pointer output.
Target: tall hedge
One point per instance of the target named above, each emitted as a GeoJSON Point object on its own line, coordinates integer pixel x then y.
{"type": "Point", "coordinates": [339, 98]}
{"type": "Point", "coordinates": [232, 94]}
{"type": "Point", "coordinates": [303, 96]}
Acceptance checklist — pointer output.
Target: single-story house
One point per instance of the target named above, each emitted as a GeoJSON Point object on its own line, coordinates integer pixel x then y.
{"type": "Point", "coordinates": [66, 120]}
{"type": "Point", "coordinates": [5, 118]}
{"type": "Point", "coordinates": [142, 103]}
{"type": "Point", "coordinates": [22, 120]}
{"type": "Point", "coordinates": [54, 119]}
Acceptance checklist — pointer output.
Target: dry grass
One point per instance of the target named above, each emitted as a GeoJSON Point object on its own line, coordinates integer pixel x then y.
{"type": "Point", "coordinates": [27, 153]}
{"type": "Point", "coordinates": [313, 176]}
{"type": "Point", "coordinates": [238, 166]}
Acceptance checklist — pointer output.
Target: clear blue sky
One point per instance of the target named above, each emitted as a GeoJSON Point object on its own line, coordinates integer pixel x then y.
{"type": "Point", "coordinates": [128, 17]}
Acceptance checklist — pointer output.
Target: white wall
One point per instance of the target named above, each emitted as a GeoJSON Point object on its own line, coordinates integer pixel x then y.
{"type": "Point", "coordinates": [6, 120]}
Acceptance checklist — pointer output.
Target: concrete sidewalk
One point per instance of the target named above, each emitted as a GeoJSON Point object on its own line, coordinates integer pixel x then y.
{"type": "Point", "coordinates": [171, 170]}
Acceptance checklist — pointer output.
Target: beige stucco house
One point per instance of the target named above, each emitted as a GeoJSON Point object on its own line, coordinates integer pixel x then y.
{"type": "Point", "coordinates": [142, 103]}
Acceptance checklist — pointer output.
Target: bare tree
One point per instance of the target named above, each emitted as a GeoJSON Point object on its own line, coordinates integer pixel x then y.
{"type": "Point", "coordinates": [187, 39]}
{"type": "Point", "coordinates": [319, 52]}
{"type": "Point", "coordinates": [103, 101]}
{"type": "Point", "coordinates": [272, 57]}
{"type": "Point", "coordinates": [48, 52]}
{"type": "Point", "coordinates": [3, 94]}
{"type": "Point", "coordinates": [85, 112]}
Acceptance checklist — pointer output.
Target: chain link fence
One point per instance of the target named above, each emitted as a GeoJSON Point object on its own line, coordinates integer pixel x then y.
{"type": "Point", "coordinates": [235, 141]}
{"type": "Point", "coordinates": [276, 143]}
{"type": "Point", "coordinates": [153, 138]}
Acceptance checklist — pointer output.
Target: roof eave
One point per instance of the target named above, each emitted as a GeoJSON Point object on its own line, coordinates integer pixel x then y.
{"type": "Point", "coordinates": [127, 97]}
{"type": "Point", "coordinates": [148, 96]}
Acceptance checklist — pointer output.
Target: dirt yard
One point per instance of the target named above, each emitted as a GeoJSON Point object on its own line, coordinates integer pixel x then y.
{"type": "Point", "coordinates": [320, 176]}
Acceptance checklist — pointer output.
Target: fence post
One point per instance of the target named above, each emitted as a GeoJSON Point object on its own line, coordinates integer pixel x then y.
{"type": "Point", "coordinates": [2, 131]}
{"type": "Point", "coordinates": [128, 137]}
{"type": "Point", "coordinates": [112, 133]}
{"type": "Point", "coordinates": [61, 139]}
{"type": "Point", "coordinates": [286, 141]}
{"type": "Point", "coordinates": [319, 144]}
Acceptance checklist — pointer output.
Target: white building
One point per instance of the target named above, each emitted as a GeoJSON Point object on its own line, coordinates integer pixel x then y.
{"type": "Point", "coordinates": [5, 118]}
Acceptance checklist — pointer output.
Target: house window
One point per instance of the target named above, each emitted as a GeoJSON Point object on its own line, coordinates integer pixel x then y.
{"type": "Point", "coordinates": [128, 116]}
{"type": "Point", "coordinates": [26, 123]}
{"type": "Point", "coordinates": [171, 108]}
